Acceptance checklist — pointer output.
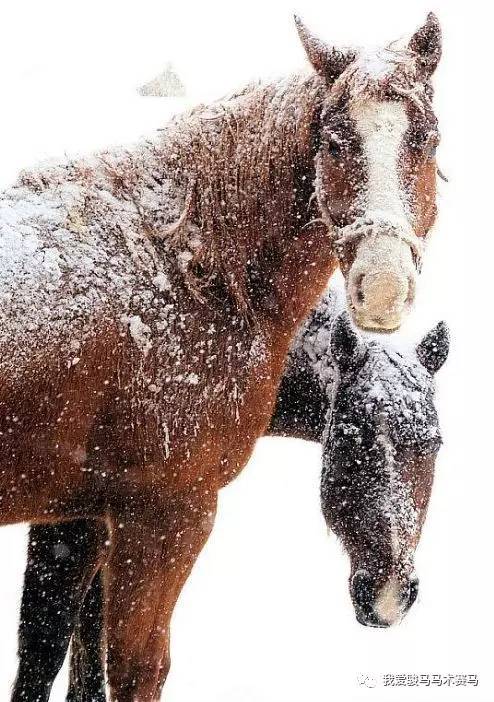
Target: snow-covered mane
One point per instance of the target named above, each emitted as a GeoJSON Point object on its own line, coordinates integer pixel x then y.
{"type": "Point", "coordinates": [219, 185]}
{"type": "Point", "coordinates": [310, 349]}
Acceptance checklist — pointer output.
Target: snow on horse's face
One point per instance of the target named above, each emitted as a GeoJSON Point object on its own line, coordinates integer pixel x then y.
{"type": "Point", "coordinates": [376, 169]}
{"type": "Point", "coordinates": [378, 463]}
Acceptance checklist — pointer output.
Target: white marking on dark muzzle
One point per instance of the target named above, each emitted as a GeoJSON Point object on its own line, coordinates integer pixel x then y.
{"type": "Point", "coordinates": [389, 605]}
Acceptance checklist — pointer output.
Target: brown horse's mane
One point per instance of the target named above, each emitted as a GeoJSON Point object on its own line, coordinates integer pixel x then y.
{"type": "Point", "coordinates": [233, 172]}
{"type": "Point", "coordinates": [245, 157]}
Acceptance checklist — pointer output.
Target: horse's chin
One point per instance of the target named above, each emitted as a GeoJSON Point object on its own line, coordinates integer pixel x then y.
{"type": "Point", "coordinates": [384, 606]}
{"type": "Point", "coordinates": [369, 325]}
{"type": "Point", "coordinates": [374, 623]}
{"type": "Point", "coordinates": [381, 325]}
{"type": "Point", "coordinates": [393, 616]}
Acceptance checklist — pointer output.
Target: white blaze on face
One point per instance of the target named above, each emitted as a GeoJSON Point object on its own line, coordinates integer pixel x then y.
{"type": "Point", "coordinates": [381, 281]}
{"type": "Point", "coordinates": [398, 506]}
{"type": "Point", "coordinates": [403, 519]}
{"type": "Point", "coordinates": [381, 126]}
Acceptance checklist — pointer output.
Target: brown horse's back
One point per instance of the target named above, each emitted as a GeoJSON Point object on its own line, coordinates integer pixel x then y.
{"type": "Point", "coordinates": [109, 363]}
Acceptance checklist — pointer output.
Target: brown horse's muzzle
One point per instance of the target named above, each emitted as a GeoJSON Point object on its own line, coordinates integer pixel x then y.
{"type": "Point", "coordinates": [381, 282]}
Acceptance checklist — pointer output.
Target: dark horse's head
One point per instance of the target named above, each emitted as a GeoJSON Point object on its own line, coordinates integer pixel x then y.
{"type": "Point", "coordinates": [380, 447]}
{"type": "Point", "coordinates": [375, 167]}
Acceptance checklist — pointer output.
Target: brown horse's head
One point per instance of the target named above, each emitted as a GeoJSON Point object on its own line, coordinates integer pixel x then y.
{"type": "Point", "coordinates": [376, 168]}
{"type": "Point", "coordinates": [379, 453]}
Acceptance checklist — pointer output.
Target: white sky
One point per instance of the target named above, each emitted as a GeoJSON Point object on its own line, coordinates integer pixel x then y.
{"type": "Point", "coordinates": [266, 616]}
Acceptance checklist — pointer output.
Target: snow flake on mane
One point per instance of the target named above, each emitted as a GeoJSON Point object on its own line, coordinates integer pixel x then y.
{"type": "Point", "coordinates": [79, 235]}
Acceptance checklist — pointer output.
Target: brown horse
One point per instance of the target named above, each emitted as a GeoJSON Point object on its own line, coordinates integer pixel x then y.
{"type": "Point", "coordinates": [149, 297]}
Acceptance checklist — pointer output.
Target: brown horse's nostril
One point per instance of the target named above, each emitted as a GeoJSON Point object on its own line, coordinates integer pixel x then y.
{"type": "Point", "coordinates": [359, 293]}
{"type": "Point", "coordinates": [411, 290]}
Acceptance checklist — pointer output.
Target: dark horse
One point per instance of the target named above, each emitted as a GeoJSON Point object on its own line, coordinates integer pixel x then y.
{"type": "Point", "coordinates": [372, 410]}
{"type": "Point", "coordinates": [149, 297]}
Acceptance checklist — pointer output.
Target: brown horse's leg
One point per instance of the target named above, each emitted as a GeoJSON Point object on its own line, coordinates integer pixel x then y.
{"type": "Point", "coordinates": [149, 564]}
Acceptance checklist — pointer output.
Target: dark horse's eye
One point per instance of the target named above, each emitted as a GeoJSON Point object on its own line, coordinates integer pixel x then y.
{"type": "Point", "coordinates": [334, 148]}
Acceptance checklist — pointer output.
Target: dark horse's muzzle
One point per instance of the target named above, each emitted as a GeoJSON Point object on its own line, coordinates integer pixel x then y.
{"type": "Point", "coordinates": [381, 605]}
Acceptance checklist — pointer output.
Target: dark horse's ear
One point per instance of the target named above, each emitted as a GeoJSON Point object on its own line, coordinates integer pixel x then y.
{"type": "Point", "coordinates": [327, 61]}
{"type": "Point", "coordinates": [434, 348]}
{"type": "Point", "coordinates": [426, 44]}
{"type": "Point", "coordinates": [347, 348]}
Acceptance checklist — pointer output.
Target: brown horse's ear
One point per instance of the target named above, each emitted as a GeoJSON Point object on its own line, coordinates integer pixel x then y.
{"type": "Point", "coordinates": [426, 44]}
{"type": "Point", "coordinates": [434, 348]}
{"type": "Point", "coordinates": [347, 348]}
{"type": "Point", "coordinates": [328, 62]}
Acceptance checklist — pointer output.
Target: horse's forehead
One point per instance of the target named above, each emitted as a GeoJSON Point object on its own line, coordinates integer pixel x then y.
{"type": "Point", "coordinates": [384, 76]}
{"type": "Point", "coordinates": [379, 64]}
{"type": "Point", "coordinates": [379, 119]}
{"type": "Point", "coordinates": [394, 385]}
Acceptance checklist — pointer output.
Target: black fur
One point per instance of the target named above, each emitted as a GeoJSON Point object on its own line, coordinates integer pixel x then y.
{"type": "Point", "coordinates": [300, 408]}
{"type": "Point", "coordinates": [59, 567]}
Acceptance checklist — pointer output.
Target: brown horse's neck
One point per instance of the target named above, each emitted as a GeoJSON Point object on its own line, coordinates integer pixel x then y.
{"type": "Point", "coordinates": [249, 166]}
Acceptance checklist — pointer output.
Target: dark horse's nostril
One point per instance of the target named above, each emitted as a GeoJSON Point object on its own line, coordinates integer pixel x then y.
{"type": "Point", "coordinates": [363, 588]}
{"type": "Point", "coordinates": [414, 591]}
{"type": "Point", "coordinates": [409, 593]}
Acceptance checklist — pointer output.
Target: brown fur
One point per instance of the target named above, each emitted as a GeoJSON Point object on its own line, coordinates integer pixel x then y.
{"type": "Point", "coordinates": [419, 174]}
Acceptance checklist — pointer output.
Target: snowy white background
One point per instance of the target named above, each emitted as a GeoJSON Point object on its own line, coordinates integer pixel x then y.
{"type": "Point", "coordinates": [266, 615]}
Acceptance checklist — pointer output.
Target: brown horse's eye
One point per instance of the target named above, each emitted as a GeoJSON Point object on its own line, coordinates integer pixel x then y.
{"type": "Point", "coordinates": [431, 147]}
{"type": "Point", "coordinates": [425, 142]}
